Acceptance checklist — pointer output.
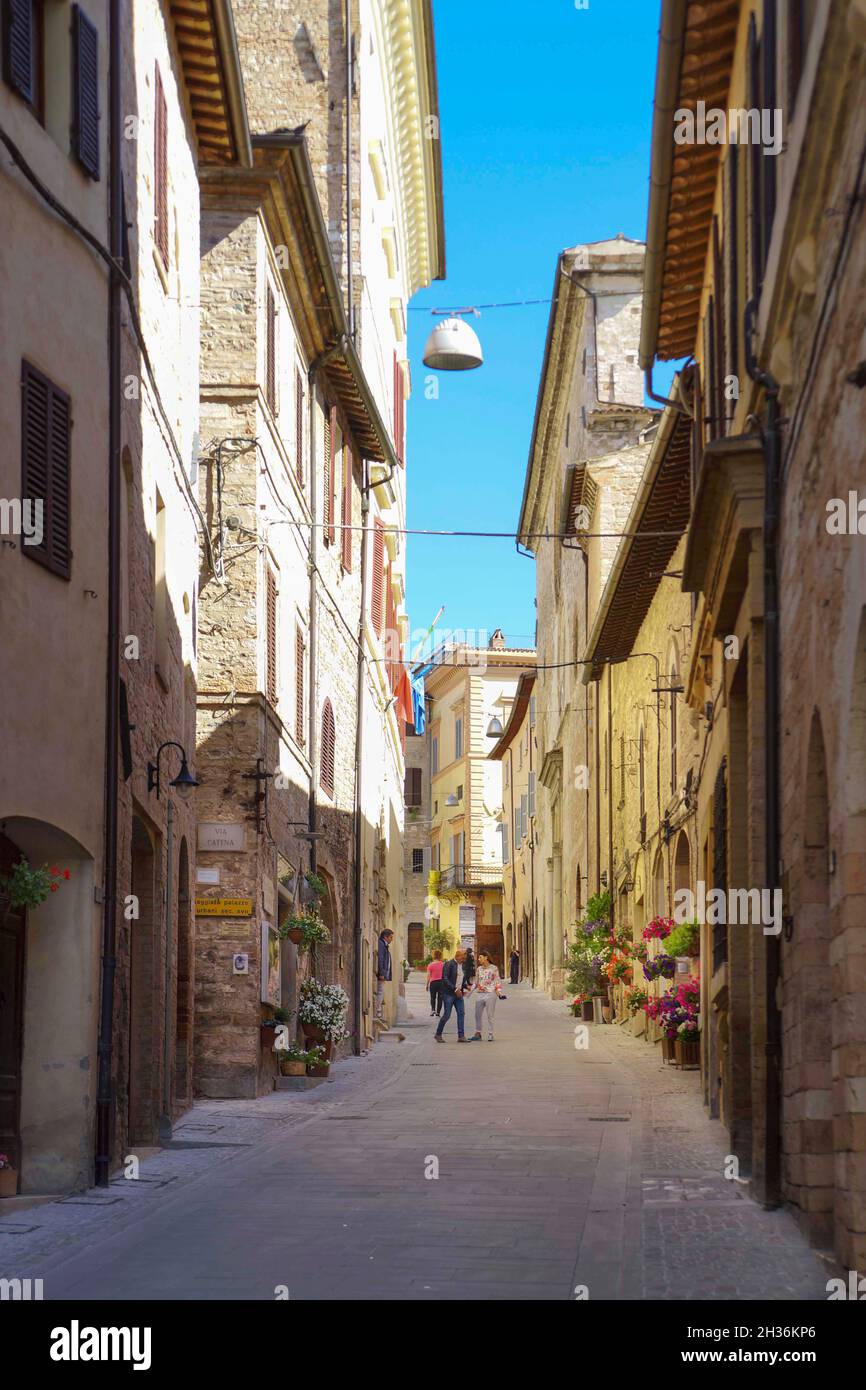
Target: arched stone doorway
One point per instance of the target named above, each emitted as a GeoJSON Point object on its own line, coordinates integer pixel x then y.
{"type": "Point", "coordinates": [808, 994]}
{"type": "Point", "coordinates": [183, 994]}
{"type": "Point", "coordinates": [144, 1002]}
{"type": "Point", "coordinates": [682, 863]}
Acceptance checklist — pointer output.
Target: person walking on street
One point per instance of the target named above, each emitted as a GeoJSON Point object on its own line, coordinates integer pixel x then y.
{"type": "Point", "coordinates": [383, 968]}
{"type": "Point", "coordinates": [452, 995]}
{"type": "Point", "coordinates": [514, 965]}
{"type": "Point", "coordinates": [434, 983]}
{"type": "Point", "coordinates": [469, 968]}
{"type": "Point", "coordinates": [487, 989]}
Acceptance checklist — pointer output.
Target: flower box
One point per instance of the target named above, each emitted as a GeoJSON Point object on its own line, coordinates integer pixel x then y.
{"type": "Point", "coordinates": [688, 1054]}
{"type": "Point", "coordinates": [293, 1068]}
{"type": "Point", "coordinates": [8, 1182]}
{"type": "Point", "coordinates": [668, 1048]}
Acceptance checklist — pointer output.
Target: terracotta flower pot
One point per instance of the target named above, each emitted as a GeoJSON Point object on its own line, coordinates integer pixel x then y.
{"type": "Point", "coordinates": [294, 934]}
{"type": "Point", "coordinates": [293, 1068]}
{"type": "Point", "coordinates": [8, 1182]}
{"type": "Point", "coordinates": [320, 1069]}
{"type": "Point", "coordinates": [688, 1054]}
{"type": "Point", "coordinates": [313, 1032]}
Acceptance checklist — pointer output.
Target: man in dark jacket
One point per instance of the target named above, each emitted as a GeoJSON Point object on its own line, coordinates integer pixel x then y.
{"type": "Point", "coordinates": [383, 968]}
{"type": "Point", "coordinates": [452, 995]}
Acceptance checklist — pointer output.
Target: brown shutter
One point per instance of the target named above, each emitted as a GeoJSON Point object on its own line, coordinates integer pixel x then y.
{"type": "Point", "coordinates": [85, 92]}
{"type": "Point", "coordinates": [271, 350]}
{"type": "Point", "coordinates": [327, 752]}
{"type": "Point", "coordinates": [300, 682]}
{"type": "Point", "coordinates": [730, 234]}
{"type": "Point", "coordinates": [399, 407]}
{"type": "Point", "coordinates": [377, 576]}
{"type": "Point", "coordinates": [45, 440]}
{"type": "Point", "coordinates": [160, 171]}
{"type": "Point", "coordinates": [768, 103]}
{"type": "Point", "coordinates": [299, 426]}
{"type": "Point", "coordinates": [271, 641]}
{"type": "Point", "coordinates": [720, 326]}
{"type": "Point", "coordinates": [332, 476]}
{"type": "Point", "coordinates": [20, 48]}
{"type": "Point", "coordinates": [753, 87]}
{"type": "Point", "coordinates": [347, 508]}
{"type": "Point", "coordinates": [327, 490]}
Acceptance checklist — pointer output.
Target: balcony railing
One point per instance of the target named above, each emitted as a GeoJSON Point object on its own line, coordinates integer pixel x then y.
{"type": "Point", "coordinates": [471, 876]}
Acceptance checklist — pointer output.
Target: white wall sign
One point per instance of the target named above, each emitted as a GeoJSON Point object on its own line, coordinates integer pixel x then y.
{"type": "Point", "coordinates": [207, 875]}
{"type": "Point", "coordinates": [221, 835]}
{"type": "Point", "coordinates": [268, 896]}
{"type": "Point", "coordinates": [466, 925]}
{"type": "Point", "coordinates": [241, 963]}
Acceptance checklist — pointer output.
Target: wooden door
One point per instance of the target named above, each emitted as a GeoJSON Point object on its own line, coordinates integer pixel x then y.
{"type": "Point", "coordinates": [12, 943]}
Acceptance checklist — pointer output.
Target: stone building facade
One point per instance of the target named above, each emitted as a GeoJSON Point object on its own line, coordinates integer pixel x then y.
{"type": "Point", "coordinates": [774, 564]}
{"type": "Point", "coordinates": [418, 803]}
{"type": "Point", "coordinates": [587, 455]}
{"type": "Point", "coordinates": [107, 947]}
{"type": "Point", "coordinates": [517, 749]}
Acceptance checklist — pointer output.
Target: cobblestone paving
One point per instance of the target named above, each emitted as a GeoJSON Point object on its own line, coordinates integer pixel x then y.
{"type": "Point", "coordinates": [558, 1169]}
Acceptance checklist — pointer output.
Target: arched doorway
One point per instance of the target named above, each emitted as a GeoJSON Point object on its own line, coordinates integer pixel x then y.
{"type": "Point", "coordinates": [660, 898]}
{"type": "Point", "coordinates": [183, 995]}
{"type": "Point", "coordinates": [682, 863]}
{"type": "Point", "coordinates": [13, 940]}
{"type": "Point", "coordinates": [142, 1112]}
{"type": "Point", "coordinates": [809, 1006]}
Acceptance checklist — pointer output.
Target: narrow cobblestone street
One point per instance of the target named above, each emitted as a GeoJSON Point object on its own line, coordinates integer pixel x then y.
{"type": "Point", "coordinates": [557, 1168]}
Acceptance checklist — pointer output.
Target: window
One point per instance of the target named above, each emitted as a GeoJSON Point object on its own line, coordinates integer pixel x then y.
{"type": "Point", "coordinates": [300, 684]}
{"type": "Point", "coordinates": [45, 440]}
{"type": "Point", "coordinates": [505, 847]}
{"type": "Point", "coordinates": [417, 861]}
{"type": "Point", "coordinates": [271, 635]}
{"type": "Point", "coordinates": [330, 476]}
{"type": "Point", "coordinates": [271, 350]}
{"type": "Point", "coordinates": [518, 836]}
{"type": "Point", "coordinates": [412, 788]}
{"type": "Point", "coordinates": [642, 783]}
{"type": "Point", "coordinates": [85, 92]}
{"type": "Point", "coordinates": [531, 794]}
{"type": "Point", "coordinates": [299, 426]}
{"type": "Point", "coordinates": [399, 412]}
{"type": "Point", "coordinates": [348, 472]}
{"type": "Point", "coordinates": [458, 738]}
{"type": "Point", "coordinates": [434, 754]}
{"type": "Point", "coordinates": [460, 792]}
{"type": "Point", "coordinates": [524, 815]}
{"type": "Point", "coordinates": [22, 50]}
{"type": "Point", "coordinates": [458, 842]}
{"type": "Point", "coordinates": [327, 751]}
{"type": "Point", "coordinates": [160, 600]}
{"type": "Point", "coordinates": [160, 171]}
{"type": "Point", "coordinates": [377, 591]}
{"type": "Point", "coordinates": [673, 718]}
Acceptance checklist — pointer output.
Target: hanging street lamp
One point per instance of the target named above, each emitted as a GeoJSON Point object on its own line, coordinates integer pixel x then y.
{"type": "Point", "coordinates": [452, 345]}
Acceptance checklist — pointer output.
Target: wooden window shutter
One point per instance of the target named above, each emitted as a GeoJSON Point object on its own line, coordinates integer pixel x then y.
{"type": "Point", "coordinates": [378, 575]}
{"type": "Point", "coordinates": [753, 87]}
{"type": "Point", "coordinates": [731, 231]}
{"type": "Point", "coordinates": [85, 92]}
{"type": "Point", "coordinates": [768, 103]}
{"type": "Point", "coordinates": [160, 170]}
{"type": "Point", "coordinates": [300, 684]}
{"type": "Point", "coordinates": [271, 641]}
{"type": "Point", "coordinates": [327, 752]}
{"type": "Point", "coordinates": [720, 326]}
{"type": "Point", "coordinates": [332, 474]}
{"type": "Point", "coordinates": [347, 509]}
{"type": "Point", "coordinates": [271, 350]}
{"type": "Point", "coordinates": [327, 486]}
{"type": "Point", "coordinates": [720, 859]}
{"type": "Point", "coordinates": [45, 454]}
{"type": "Point", "coordinates": [20, 49]}
{"type": "Point", "coordinates": [299, 426]}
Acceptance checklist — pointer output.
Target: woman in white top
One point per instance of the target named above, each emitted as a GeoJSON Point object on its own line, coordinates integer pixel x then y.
{"type": "Point", "coordinates": [486, 987]}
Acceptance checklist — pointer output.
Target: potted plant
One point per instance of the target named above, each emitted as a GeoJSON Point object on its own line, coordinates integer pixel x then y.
{"type": "Point", "coordinates": [319, 1059]}
{"type": "Point", "coordinates": [293, 1060]}
{"type": "Point", "coordinates": [268, 1027]}
{"type": "Point", "coordinates": [688, 1044]}
{"type": "Point", "coordinates": [658, 928]}
{"type": "Point", "coordinates": [661, 966]}
{"type": "Point", "coordinates": [685, 940]}
{"type": "Point", "coordinates": [322, 1012]}
{"type": "Point", "coordinates": [8, 1177]}
{"type": "Point", "coordinates": [25, 886]}
{"type": "Point", "coordinates": [636, 999]}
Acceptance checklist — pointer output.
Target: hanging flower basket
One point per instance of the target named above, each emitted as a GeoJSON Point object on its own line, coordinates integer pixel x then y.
{"type": "Point", "coordinates": [294, 934]}
{"type": "Point", "coordinates": [25, 886]}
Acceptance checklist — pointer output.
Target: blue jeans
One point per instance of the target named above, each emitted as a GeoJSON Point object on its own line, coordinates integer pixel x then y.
{"type": "Point", "coordinates": [452, 1002]}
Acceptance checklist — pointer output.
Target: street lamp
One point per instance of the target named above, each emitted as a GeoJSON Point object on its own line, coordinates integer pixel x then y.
{"type": "Point", "coordinates": [452, 800]}
{"type": "Point", "coordinates": [494, 728]}
{"type": "Point", "coordinates": [183, 783]}
{"type": "Point", "coordinates": [453, 346]}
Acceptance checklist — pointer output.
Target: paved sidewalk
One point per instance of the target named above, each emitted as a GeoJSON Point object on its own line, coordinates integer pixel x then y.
{"type": "Point", "coordinates": [558, 1170]}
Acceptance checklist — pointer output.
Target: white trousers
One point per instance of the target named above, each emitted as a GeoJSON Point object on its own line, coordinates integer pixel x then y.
{"type": "Point", "coordinates": [482, 1002]}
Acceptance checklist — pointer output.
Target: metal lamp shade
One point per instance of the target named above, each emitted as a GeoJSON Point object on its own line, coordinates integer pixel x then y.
{"type": "Point", "coordinates": [453, 347]}
{"type": "Point", "coordinates": [494, 728]}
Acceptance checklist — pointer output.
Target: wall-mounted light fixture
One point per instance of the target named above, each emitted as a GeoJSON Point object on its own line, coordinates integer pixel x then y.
{"type": "Point", "coordinates": [183, 783]}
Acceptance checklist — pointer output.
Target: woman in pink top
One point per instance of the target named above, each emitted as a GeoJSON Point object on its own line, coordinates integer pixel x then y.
{"type": "Point", "coordinates": [434, 983]}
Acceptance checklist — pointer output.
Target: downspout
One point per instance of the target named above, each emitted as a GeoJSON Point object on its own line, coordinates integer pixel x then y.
{"type": "Point", "coordinates": [350, 304]}
{"type": "Point", "coordinates": [772, 816]}
{"type": "Point", "coordinates": [586, 712]}
{"type": "Point", "coordinates": [511, 825]}
{"type": "Point", "coordinates": [312, 723]}
{"type": "Point", "coordinates": [610, 883]}
{"type": "Point", "coordinates": [359, 755]}
{"type": "Point", "coordinates": [112, 694]}
{"type": "Point", "coordinates": [597, 721]}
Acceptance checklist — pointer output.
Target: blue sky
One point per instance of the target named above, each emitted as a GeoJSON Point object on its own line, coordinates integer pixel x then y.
{"type": "Point", "coordinates": [546, 121]}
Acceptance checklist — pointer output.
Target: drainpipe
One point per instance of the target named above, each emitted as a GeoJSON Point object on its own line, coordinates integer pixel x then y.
{"type": "Point", "coordinates": [772, 816]}
{"type": "Point", "coordinates": [610, 884]}
{"type": "Point", "coordinates": [597, 712]}
{"type": "Point", "coordinates": [359, 755]}
{"type": "Point", "coordinates": [586, 711]}
{"type": "Point", "coordinates": [350, 306]}
{"type": "Point", "coordinates": [112, 693]}
{"type": "Point", "coordinates": [165, 1117]}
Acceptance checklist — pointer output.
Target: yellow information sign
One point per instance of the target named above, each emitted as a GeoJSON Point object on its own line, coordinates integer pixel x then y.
{"type": "Point", "coordinates": [223, 907]}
